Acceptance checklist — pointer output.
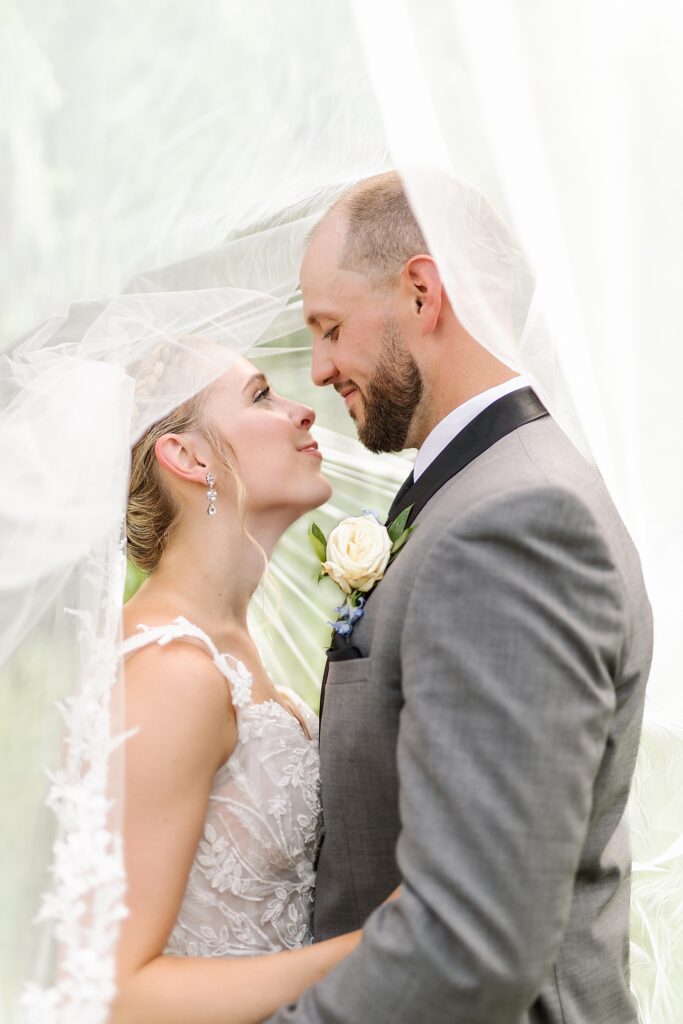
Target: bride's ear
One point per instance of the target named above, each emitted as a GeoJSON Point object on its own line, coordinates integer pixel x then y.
{"type": "Point", "coordinates": [178, 453]}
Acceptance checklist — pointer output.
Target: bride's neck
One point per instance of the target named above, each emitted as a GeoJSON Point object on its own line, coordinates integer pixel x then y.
{"type": "Point", "coordinates": [210, 570]}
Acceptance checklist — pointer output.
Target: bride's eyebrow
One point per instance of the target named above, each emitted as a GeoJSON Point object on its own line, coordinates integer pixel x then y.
{"type": "Point", "coordinates": [260, 377]}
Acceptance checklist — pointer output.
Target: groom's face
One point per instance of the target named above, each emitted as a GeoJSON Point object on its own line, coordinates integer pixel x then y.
{"type": "Point", "coordinates": [358, 344]}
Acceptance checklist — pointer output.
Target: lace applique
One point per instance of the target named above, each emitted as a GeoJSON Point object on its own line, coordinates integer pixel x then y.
{"type": "Point", "coordinates": [241, 681]}
{"type": "Point", "coordinates": [277, 806]}
{"type": "Point", "coordinates": [86, 900]}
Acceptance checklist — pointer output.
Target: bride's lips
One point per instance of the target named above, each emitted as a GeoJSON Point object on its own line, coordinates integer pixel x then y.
{"type": "Point", "coordinates": [312, 449]}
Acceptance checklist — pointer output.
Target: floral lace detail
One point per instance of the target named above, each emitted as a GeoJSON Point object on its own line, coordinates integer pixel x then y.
{"type": "Point", "coordinates": [241, 686]}
{"type": "Point", "coordinates": [250, 888]}
{"type": "Point", "coordinates": [85, 903]}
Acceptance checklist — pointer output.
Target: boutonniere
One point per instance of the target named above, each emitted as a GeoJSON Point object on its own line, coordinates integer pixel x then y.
{"type": "Point", "coordinates": [356, 556]}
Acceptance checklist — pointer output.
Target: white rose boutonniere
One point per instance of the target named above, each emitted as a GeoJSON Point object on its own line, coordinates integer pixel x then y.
{"type": "Point", "coordinates": [356, 556]}
{"type": "Point", "coordinates": [358, 552]}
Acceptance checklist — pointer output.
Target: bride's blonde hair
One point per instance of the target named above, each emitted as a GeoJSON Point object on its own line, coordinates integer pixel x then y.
{"type": "Point", "coordinates": [152, 513]}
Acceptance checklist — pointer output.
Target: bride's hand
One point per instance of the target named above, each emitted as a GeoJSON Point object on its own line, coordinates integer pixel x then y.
{"type": "Point", "coordinates": [394, 895]}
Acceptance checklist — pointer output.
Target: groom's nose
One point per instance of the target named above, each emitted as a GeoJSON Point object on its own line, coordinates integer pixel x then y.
{"type": "Point", "coordinates": [323, 369]}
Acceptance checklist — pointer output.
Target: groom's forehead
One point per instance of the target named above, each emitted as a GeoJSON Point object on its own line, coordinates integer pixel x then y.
{"type": "Point", "coordinates": [327, 289]}
{"type": "Point", "coordinates": [324, 249]}
{"type": "Point", "coordinates": [326, 293]}
{"type": "Point", "coordinates": [330, 297]}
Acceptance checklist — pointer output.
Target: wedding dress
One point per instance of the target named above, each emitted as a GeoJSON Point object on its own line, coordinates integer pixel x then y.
{"type": "Point", "coordinates": [250, 888]}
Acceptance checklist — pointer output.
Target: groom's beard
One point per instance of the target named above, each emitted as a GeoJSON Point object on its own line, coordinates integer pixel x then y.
{"type": "Point", "coordinates": [391, 397]}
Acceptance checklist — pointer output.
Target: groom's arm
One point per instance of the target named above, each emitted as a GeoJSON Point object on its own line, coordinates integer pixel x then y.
{"type": "Point", "coordinates": [507, 655]}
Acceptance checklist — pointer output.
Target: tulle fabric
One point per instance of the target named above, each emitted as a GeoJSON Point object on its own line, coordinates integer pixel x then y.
{"type": "Point", "coordinates": [171, 163]}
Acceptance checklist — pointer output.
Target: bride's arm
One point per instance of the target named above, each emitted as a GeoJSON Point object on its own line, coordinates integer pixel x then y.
{"type": "Point", "coordinates": [212, 990]}
{"type": "Point", "coordinates": [181, 706]}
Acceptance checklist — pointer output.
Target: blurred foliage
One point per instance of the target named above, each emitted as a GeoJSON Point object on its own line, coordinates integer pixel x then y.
{"type": "Point", "coordinates": [134, 578]}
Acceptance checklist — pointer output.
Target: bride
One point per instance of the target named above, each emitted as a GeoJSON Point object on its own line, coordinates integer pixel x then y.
{"type": "Point", "coordinates": [222, 817]}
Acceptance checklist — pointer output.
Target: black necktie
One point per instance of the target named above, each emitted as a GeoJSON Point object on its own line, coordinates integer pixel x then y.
{"type": "Point", "coordinates": [405, 487]}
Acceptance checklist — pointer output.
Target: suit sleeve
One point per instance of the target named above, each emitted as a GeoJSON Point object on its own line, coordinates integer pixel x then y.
{"type": "Point", "coordinates": [508, 653]}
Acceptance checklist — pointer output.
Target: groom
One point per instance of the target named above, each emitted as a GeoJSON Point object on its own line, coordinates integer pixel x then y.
{"type": "Point", "coordinates": [480, 727]}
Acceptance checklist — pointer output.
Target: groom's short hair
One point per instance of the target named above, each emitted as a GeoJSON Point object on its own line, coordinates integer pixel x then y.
{"type": "Point", "coordinates": [382, 233]}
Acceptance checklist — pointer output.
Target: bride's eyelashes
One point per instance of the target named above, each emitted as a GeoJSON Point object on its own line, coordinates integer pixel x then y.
{"type": "Point", "coordinates": [262, 395]}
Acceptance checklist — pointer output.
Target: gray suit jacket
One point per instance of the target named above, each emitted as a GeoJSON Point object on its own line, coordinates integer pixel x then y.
{"type": "Point", "coordinates": [480, 750]}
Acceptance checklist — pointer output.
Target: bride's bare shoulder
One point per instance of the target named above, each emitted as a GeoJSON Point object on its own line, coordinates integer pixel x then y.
{"type": "Point", "coordinates": [176, 696]}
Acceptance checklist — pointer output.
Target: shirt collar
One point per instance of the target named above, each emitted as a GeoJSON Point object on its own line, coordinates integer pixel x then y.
{"type": "Point", "coordinates": [450, 426]}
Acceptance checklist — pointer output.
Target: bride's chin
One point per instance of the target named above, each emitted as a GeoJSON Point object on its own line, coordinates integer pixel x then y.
{"type": "Point", "coordinates": [319, 495]}
{"type": "Point", "coordinates": [327, 491]}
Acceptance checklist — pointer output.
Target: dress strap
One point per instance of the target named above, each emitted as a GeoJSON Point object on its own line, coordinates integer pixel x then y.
{"type": "Point", "coordinates": [237, 674]}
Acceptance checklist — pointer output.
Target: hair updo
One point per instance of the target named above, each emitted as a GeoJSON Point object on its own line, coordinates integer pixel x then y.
{"type": "Point", "coordinates": [152, 512]}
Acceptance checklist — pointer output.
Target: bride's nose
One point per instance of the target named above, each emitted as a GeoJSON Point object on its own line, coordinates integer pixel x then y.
{"type": "Point", "coordinates": [303, 415]}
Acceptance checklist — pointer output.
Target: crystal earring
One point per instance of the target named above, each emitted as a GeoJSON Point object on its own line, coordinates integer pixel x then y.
{"type": "Point", "coordinates": [211, 494]}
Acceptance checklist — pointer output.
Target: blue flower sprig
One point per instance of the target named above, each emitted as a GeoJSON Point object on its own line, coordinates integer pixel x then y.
{"type": "Point", "coordinates": [348, 616]}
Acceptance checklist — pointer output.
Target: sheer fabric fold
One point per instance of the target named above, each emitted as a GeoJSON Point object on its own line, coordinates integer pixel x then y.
{"type": "Point", "coordinates": [163, 178]}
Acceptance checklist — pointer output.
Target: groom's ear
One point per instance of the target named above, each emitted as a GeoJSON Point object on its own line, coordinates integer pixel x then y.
{"type": "Point", "coordinates": [425, 292]}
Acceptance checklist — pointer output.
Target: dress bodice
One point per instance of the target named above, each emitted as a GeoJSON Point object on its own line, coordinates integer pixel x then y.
{"type": "Point", "coordinates": [251, 884]}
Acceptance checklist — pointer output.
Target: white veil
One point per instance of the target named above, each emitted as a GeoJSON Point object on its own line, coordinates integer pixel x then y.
{"type": "Point", "coordinates": [174, 161]}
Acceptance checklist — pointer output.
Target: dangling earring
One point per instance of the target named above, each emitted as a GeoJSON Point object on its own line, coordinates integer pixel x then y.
{"type": "Point", "coordinates": [211, 494]}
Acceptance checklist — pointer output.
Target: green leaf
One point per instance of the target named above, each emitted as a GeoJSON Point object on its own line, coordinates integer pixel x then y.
{"type": "Point", "coordinates": [317, 541]}
{"type": "Point", "coordinates": [317, 532]}
{"type": "Point", "coordinates": [399, 524]}
{"type": "Point", "coordinates": [398, 544]}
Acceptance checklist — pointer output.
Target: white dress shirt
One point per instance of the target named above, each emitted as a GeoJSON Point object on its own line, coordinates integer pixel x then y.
{"type": "Point", "coordinates": [451, 425]}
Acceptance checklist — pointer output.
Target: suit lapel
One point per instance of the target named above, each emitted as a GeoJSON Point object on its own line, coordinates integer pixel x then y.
{"type": "Point", "coordinates": [500, 418]}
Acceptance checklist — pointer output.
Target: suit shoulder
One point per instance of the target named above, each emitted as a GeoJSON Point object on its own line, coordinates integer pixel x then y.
{"type": "Point", "coordinates": [512, 506]}
{"type": "Point", "coordinates": [536, 460]}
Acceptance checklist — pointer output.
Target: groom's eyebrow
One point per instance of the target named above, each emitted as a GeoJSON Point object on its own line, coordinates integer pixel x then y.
{"type": "Point", "coordinates": [313, 319]}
